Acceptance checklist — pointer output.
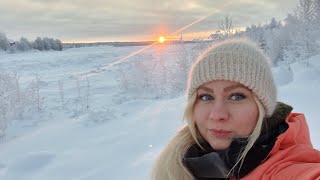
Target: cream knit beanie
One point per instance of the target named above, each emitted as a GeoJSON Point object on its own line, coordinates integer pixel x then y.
{"type": "Point", "coordinates": [239, 61]}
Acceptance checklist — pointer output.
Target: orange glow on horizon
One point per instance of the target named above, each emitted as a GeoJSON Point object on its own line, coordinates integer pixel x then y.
{"type": "Point", "coordinates": [161, 39]}
{"type": "Point", "coordinates": [186, 36]}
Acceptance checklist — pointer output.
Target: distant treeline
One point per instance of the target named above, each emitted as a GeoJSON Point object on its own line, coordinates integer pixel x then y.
{"type": "Point", "coordinates": [117, 44]}
{"type": "Point", "coordinates": [42, 44]}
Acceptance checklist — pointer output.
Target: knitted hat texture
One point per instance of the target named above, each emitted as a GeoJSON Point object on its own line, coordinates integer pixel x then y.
{"type": "Point", "coordinates": [240, 61]}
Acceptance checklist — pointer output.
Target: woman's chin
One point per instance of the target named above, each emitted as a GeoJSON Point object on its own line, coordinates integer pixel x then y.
{"type": "Point", "coordinates": [219, 146]}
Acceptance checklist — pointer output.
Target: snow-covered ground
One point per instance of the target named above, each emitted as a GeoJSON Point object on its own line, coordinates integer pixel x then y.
{"type": "Point", "coordinates": [116, 138]}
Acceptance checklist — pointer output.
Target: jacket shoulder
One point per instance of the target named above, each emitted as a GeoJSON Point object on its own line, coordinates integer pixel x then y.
{"type": "Point", "coordinates": [292, 156]}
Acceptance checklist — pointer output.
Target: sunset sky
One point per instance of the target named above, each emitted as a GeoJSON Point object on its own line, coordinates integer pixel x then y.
{"type": "Point", "coordinates": [130, 20]}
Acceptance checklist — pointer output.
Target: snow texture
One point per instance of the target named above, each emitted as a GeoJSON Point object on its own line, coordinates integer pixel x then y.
{"type": "Point", "coordinates": [98, 130]}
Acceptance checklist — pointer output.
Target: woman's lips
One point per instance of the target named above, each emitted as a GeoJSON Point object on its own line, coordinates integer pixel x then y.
{"type": "Point", "coordinates": [220, 133]}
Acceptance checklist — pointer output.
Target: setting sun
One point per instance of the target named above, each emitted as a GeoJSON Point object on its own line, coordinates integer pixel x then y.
{"type": "Point", "coordinates": [161, 39]}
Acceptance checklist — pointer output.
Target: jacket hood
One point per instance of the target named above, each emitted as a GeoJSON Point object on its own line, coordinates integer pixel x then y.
{"type": "Point", "coordinates": [297, 133]}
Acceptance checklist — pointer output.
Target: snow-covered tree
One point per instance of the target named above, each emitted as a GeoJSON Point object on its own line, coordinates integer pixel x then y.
{"type": "Point", "coordinates": [305, 11]}
{"type": "Point", "coordinates": [273, 24]}
{"type": "Point", "coordinates": [317, 11]}
{"type": "Point", "coordinates": [38, 44]}
{"type": "Point", "coordinates": [256, 33]}
{"type": "Point", "coordinates": [24, 44]}
{"type": "Point", "coordinates": [226, 26]}
{"type": "Point", "coordinates": [57, 45]}
{"type": "Point", "coordinates": [46, 43]}
{"type": "Point", "coordinates": [216, 36]}
{"type": "Point", "coordinates": [302, 39]}
{"type": "Point", "coordinates": [4, 42]}
{"type": "Point", "coordinates": [14, 101]}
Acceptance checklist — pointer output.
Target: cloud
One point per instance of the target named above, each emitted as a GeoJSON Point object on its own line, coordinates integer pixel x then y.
{"type": "Point", "coordinates": [83, 19]}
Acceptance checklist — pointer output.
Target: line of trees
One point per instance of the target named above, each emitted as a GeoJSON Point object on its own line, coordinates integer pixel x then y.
{"type": "Point", "coordinates": [293, 39]}
{"type": "Point", "coordinates": [42, 44]}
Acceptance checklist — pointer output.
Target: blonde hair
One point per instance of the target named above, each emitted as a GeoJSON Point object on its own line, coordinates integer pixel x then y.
{"type": "Point", "coordinates": [253, 137]}
{"type": "Point", "coordinates": [169, 164]}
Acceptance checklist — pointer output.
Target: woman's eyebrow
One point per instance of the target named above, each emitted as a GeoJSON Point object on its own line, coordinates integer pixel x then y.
{"type": "Point", "coordinates": [206, 89]}
{"type": "Point", "coordinates": [229, 88]}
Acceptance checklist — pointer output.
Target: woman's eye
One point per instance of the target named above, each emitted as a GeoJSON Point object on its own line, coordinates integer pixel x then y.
{"type": "Point", "coordinates": [237, 97]}
{"type": "Point", "coordinates": [205, 97]}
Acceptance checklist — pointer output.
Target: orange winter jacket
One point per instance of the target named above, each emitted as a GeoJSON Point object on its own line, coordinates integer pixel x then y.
{"type": "Point", "coordinates": [292, 156]}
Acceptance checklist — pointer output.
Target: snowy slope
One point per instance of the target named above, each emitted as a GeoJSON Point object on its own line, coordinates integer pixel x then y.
{"type": "Point", "coordinates": [117, 138]}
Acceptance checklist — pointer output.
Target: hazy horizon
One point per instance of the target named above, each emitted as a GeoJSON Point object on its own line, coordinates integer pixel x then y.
{"type": "Point", "coordinates": [139, 20]}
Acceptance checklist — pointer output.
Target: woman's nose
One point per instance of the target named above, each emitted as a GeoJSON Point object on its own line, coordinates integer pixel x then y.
{"type": "Point", "coordinates": [219, 112]}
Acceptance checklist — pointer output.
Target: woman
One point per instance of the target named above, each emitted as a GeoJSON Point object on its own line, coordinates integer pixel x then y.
{"type": "Point", "coordinates": [235, 127]}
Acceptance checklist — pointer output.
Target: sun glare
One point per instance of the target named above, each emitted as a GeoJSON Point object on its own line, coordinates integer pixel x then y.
{"type": "Point", "coordinates": [162, 39]}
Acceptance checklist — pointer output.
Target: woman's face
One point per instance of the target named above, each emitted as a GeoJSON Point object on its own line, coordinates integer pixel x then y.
{"type": "Point", "coordinates": [224, 110]}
